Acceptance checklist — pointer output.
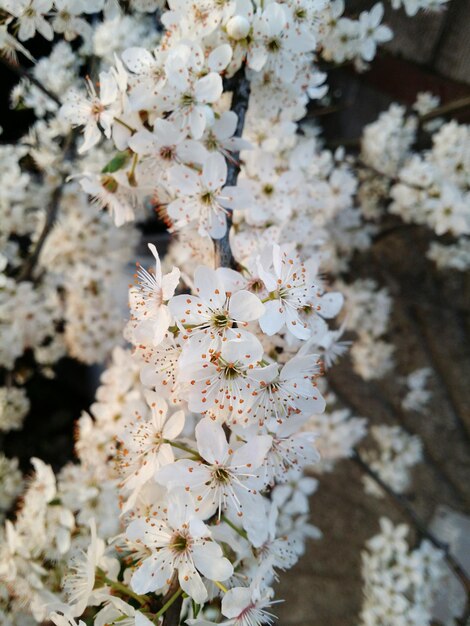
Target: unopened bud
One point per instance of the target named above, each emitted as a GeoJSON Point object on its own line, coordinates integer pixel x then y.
{"type": "Point", "coordinates": [238, 27]}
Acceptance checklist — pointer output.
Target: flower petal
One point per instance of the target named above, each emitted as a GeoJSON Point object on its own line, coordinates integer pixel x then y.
{"type": "Point", "coordinates": [211, 441]}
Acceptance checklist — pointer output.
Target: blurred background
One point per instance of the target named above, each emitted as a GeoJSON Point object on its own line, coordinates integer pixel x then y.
{"type": "Point", "coordinates": [430, 327]}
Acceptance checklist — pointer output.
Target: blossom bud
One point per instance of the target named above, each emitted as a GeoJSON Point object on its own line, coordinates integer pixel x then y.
{"type": "Point", "coordinates": [238, 27]}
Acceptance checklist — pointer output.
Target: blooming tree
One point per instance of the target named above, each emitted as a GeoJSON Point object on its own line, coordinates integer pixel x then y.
{"type": "Point", "coordinates": [189, 496]}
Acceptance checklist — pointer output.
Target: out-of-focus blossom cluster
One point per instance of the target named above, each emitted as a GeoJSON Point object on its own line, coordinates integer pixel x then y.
{"type": "Point", "coordinates": [425, 185]}
{"type": "Point", "coordinates": [394, 453]}
{"type": "Point", "coordinates": [401, 584]}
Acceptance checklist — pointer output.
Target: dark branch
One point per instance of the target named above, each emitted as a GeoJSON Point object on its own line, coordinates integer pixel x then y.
{"type": "Point", "coordinates": [172, 616]}
{"type": "Point", "coordinates": [26, 272]}
{"type": "Point", "coordinates": [27, 269]}
{"type": "Point", "coordinates": [24, 73]}
{"type": "Point", "coordinates": [403, 505]}
{"type": "Point", "coordinates": [240, 87]}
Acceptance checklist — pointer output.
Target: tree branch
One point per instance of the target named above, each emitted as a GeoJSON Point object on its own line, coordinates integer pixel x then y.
{"type": "Point", "coordinates": [23, 73]}
{"type": "Point", "coordinates": [240, 87]}
{"type": "Point", "coordinates": [171, 609]}
{"type": "Point", "coordinates": [26, 270]}
{"type": "Point", "coordinates": [446, 109]}
{"type": "Point", "coordinates": [403, 505]}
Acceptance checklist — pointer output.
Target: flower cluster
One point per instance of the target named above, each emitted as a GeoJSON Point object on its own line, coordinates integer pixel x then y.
{"type": "Point", "coordinates": [425, 186]}
{"type": "Point", "coordinates": [400, 584]}
{"type": "Point", "coordinates": [367, 313]}
{"type": "Point", "coordinates": [190, 493]}
{"type": "Point", "coordinates": [11, 482]}
{"type": "Point", "coordinates": [413, 6]}
{"type": "Point", "coordinates": [60, 259]}
{"type": "Point", "coordinates": [417, 396]}
{"type": "Point", "coordinates": [396, 452]}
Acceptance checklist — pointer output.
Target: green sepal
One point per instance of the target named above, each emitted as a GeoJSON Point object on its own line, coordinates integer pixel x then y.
{"type": "Point", "coordinates": [118, 161]}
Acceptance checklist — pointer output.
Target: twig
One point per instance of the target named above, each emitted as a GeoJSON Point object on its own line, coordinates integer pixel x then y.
{"type": "Point", "coordinates": [19, 70]}
{"type": "Point", "coordinates": [26, 271]}
{"type": "Point", "coordinates": [447, 109]}
{"type": "Point", "coordinates": [406, 509]}
{"type": "Point", "coordinates": [240, 86]}
{"type": "Point", "coordinates": [121, 588]}
{"type": "Point", "coordinates": [392, 411]}
{"type": "Point", "coordinates": [171, 609]}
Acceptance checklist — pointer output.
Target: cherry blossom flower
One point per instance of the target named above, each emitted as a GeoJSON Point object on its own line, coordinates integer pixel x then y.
{"type": "Point", "coordinates": [287, 281]}
{"type": "Point", "coordinates": [180, 542]}
{"type": "Point", "coordinates": [187, 95]}
{"type": "Point", "coordinates": [167, 144]}
{"type": "Point", "coordinates": [215, 311]}
{"type": "Point", "coordinates": [151, 315]}
{"type": "Point", "coordinates": [242, 606]}
{"type": "Point", "coordinates": [116, 611]}
{"type": "Point", "coordinates": [80, 580]}
{"type": "Point", "coordinates": [31, 17]}
{"type": "Point", "coordinates": [290, 451]}
{"type": "Point", "coordinates": [290, 391]}
{"type": "Point", "coordinates": [372, 32]}
{"type": "Point", "coordinates": [226, 479]}
{"type": "Point", "coordinates": [146, 444]}
{"type": "Point", "coordinates": [220, 136]}
{"type": "Point", "coordinates": [147, 76]}
{"type": "Point", "coordinates": [220, 382]}
{"type": "Point", "coordinates": [160, 367]}
{"type": "Point", "coordinates": [275, 43]}
{"type": "Point", "coordinates": [202, 198]}
{"type": "Point", "coordinates": [93, 111]}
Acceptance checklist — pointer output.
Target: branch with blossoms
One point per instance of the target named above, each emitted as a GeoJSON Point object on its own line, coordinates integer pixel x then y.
{"type": "Point", "coordinates": [240, 88]}
{"type": "Point", "coordinates": [405, 508]}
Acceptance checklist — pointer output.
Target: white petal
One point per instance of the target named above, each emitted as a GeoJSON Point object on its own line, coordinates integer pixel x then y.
{"type": "Point", "coordinates": [211, 441]}
{"type": "Point", "coordinates": [183, 473]}
{"type": "Point", "coordinates": [252, 454]}
{"type": "Point", "coordinates": [185, 310]}
{"type": "Point", "coordinates": [161, 322]}
{"type": "Point", "coordinates": [273, 318]}
{"type": "Point", "coordinates": [137, 59]}
{"type": "Point", "coordinates": [108, 88]}
{"type": "Point", "coordinates": [214, 172]}
{"type": "Point", "coordinates": [236, 197]}
{"type": "Point", "coordinates": [174, 425]}
{"type": "Point", "coordinates": [220, 58]}
{"type": "Point", "coordinates": [210, 561]}
{"type": "Point", "coordinates": [295, 325]}
{"type": "Point", "coordinates": [143, 142]}
{"type": "Point", "coordinates": [170, 282]}
{"type": "Point", "coordinates": [235, 600]}
{"type": "Point", "coordinates": [209, 287]}
{"type": "Point", "coordinates": [248, 350]}
{"type": "Point", "coordinates": [183, 180]}
{"type": "Point", "coordinates": [151, 575]}
{"type": "Point", "coordinates": [197, 122]}
{"type": "Point", "coordinates": [191, 582]}
{"type": "Point", "coordinates": [217, 225]}
{"type": "Point", "coordinates": [300, 366]}
{"type": "Point", "coordinates": [91, 137]}
{"type": "Point", "coordinates": [225, 126]}
{"type": "Point", "coordinates": [158, 265]}
{"type": "Point", "coordinates": [330, 304]}
{"type": "Point", "coordinates": [245, 306]}
{"type": "Point", "coordinates": [209, 88]}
